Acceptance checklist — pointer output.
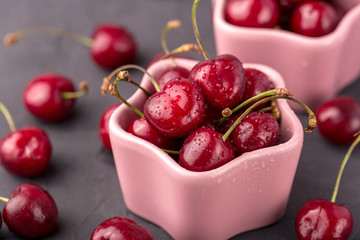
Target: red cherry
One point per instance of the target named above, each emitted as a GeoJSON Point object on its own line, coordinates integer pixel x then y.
{"type": "Point", "coordinates": [323, 219]}
{"type": "Point", "coordinates": [221, 80]}
{"type": "Point", "coordinates": [339, 119]}
{"type": "Point", "coordinates": [177, 109]}
{"type": "Point", "coordinates": [123, 228]}
{"type": "Point", "coordinates": [112, 46]}
{"type": "Point", "coordinates": [51, 97]}
{"type": "Point", "coordinates": [30, 211]}
{"type": "Point", "coordinates": [252, 13]}
{"type": "Point", "coordinates": [204, 149]}
{"type": "Point", "coordinates": [170, 73]}
{"type": "Point", "coordinates": [314, 19]}
{"type": "Point", "coordinates": [104, 126]}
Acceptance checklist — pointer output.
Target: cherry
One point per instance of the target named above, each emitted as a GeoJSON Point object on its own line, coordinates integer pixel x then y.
{"type": "Point", "coordinates": [30, 211]}
{"type": "Point", "coordinates": [111, 45]}
{"type": "Point", "coordinates": [323, 219]}
{"type": "Point", "coordinates": [51, 97]}
{"type": "Point", "coordinates": [314, 19]}
{"type": "Point", "coordinates": [123, 228]}
{"type": "Point", "coordinates": [170, 73]}
{"type": "Point", "coordinates": [204, 149]}
{"type": "Point", "coordinates": [25, 152]}
{"type": "Point", "coordinates": [339, 119]}
{"type": "Point", "coordinates": [252, 13]}
{"type": "Point", "coordinates": [104, 126]}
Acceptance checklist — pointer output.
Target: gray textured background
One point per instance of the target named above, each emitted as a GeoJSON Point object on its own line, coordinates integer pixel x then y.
{"type": "Point", "coordinates": [82, 177]}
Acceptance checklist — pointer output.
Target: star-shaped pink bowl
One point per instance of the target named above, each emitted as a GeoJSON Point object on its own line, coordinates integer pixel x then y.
{"type": "Point", "coordinates": [247, 193]}
{"type": "Point", "coordinates": [315, 69]}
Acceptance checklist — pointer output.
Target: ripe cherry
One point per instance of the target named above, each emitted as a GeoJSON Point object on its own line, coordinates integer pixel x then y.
{"type": "Point", "coordinates": [117, 228]}
{"type": "Point", "coordinates": [25, 152]}
{"type": "Point", "coordinates": [339, 119]}
{"type": "Point", "coordinates": [314, 19]}
{"type": "Point", "coordinates": [252, 13]}
{"type": "Point", "coordinates": [30, 211]}
{"type": "Point", "coordinates": [104, 126]}
{"type": "Point", "coordinates": [111, 45]}
{"type": "Point", "coordinates": [170, 73]}
{"type": "Point", "coordinates": [51, 97]}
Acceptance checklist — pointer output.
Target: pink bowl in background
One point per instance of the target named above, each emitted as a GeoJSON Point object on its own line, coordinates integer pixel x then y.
{"type": "Point", "coordinates": [315, 69]}
{"type": "Point", "coordinates": [247, 193]}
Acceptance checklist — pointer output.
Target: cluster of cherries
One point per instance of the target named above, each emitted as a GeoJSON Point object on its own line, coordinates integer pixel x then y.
{"type": "Point", "coordinates": [312, 18]}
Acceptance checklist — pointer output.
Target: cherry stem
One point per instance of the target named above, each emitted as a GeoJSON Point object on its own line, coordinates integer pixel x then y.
{"type": "Point", "coordinates": [171, 151]}
{"type": "Point", "coordinates": [3, 199]}
{"type": "Point", "coordinates": [309, 128]}
{"type": "Point", "coordinates": [129, 66]}
{"type": "Point", "coordinates": [77, 94]}
{"type": "Point", "coordinates": [183, 48]}
{"type": "Point", "coordinates": [173, 24]}
{"type": "Point", "coordinates": [113, 88]}
{"type": "Point", "coordinates": [343, 164]}
{"type": "Point", "coordinates": [196, 30]}
{"type": "Point", "coordinates": [8, 117]}
{"type": "Point", "coordinates": [12, 38]}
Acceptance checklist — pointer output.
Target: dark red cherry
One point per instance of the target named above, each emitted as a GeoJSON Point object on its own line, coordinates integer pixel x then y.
{"type": "Point", "coordinates": [120, 228]}
{"type": "Point", "coordinates": [104, 126]}
{"type": "Point", "coordinates": [177, 109]}
{"type": "Point", "coordinates": [339, 119]}
{"type": "Point", "coordinates": [256, 130]}
{"type": "Point", "coordinates": [30, 211]}
{"type": "Point", "coordinates": [323, 220]}
{"type": "Point", "coordinates": [141, 128]}
{"type": "Point", "coordinates": [45, 97]}
{"type": "Point", "coordinates": [26, 152]}
{"type": "Point", "coordinates": [314, 19]}
{"type": "Point", "coordinates": [170, 73]}
{"type": "Point", "coordinates": [113, 46]}
{"type": "Point", "coordinates": [252, 13]}
{"type": "Point", "coordinates": [256, 83]}
{"type": "Point", "coordinates": [221, 80]}
{"type": "Point", "coordinates": [205, 150]}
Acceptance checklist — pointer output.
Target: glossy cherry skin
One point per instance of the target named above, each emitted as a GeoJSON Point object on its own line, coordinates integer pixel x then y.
{"type": "Point", "coordinates": [31, 212]}
{"type": "Point", "coordinates": [170, 73]}
{"type": "Point", "coordinates": [104, 126]}
{"type": "Point", "coordinates": [221, 81]}
{"type": "Point", "coordinates": [177, 109]}
{"type": "Point", "coordinates": [255, 131]}
{"type": "Point", "coordinates": [338, 119]}
{"type": "Point", "coordinates": [321, 219]}
{"type": "Point", "coordinates": [120, 228]}
{"type": "Point", "coordinates": [43, 97]}
{"type": "Point", "coordinates": [113, 46]}
{"type": "Point", "coordinates": [205, 150]}
{"type": "Point", "coordinates": [26, 152]}
{"type": "Point", "coordinates": [252, 13]}
{"type": "Point", "coordinates": [141, 128]}
{"type": "Point", "coordinates": [314, 19]}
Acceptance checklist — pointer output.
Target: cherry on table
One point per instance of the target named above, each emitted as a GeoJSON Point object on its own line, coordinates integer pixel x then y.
{"type": "Point", "coordinates": [104, 126]}
{"type": "Point", "coordinates": [30, 211]}
{"type": "Point", "coordinates": [51, 97]}
{"type": "Point", "coordinates": [24, 152]}
{"type": "Point", "coordinates": [111, 45]}
{"type": "Point", "coordinates": [117, 228]}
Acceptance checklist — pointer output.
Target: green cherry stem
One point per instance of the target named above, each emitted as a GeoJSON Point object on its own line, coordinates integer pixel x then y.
{"type": "Point", "coordinates": [173, 24]}
{"type": "Point", "coordinates": [84, 89]}
{"type": "Point", "coordinates": [186, 47]}
{"type": "Point", "coordinates": [309, 128]}
{"type": "Point", "coordinates": [196, 30]}
{"type": "Point", "coordinates": [3, 199]}
{"type": "Point", "coordinates": [12, 38]}
{"type": "Point", "coordinates": [343, 164]}
{"type": "Point", "coordinates": [8, 117]}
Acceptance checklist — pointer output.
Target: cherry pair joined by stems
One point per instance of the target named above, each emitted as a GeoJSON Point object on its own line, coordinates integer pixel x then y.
{"type": "Point", "coordinates": [51, 97]}
{"type": "Point", "coordinates": [117, 228]}
{"type": "Point", "coordinates": [24, 152]}
{"type": "Point", "coordinates": [111, 45]}
{"type": "Point", "coordinates": [30, 211]}
{"type": "Point", "coordinates": [323, 219]}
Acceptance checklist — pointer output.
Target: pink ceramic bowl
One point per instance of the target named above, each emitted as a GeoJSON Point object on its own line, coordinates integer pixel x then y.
{"type": "Point", "coordinates": [247, 193]}
{"type": "Point", "coordinates": [315, 69]}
